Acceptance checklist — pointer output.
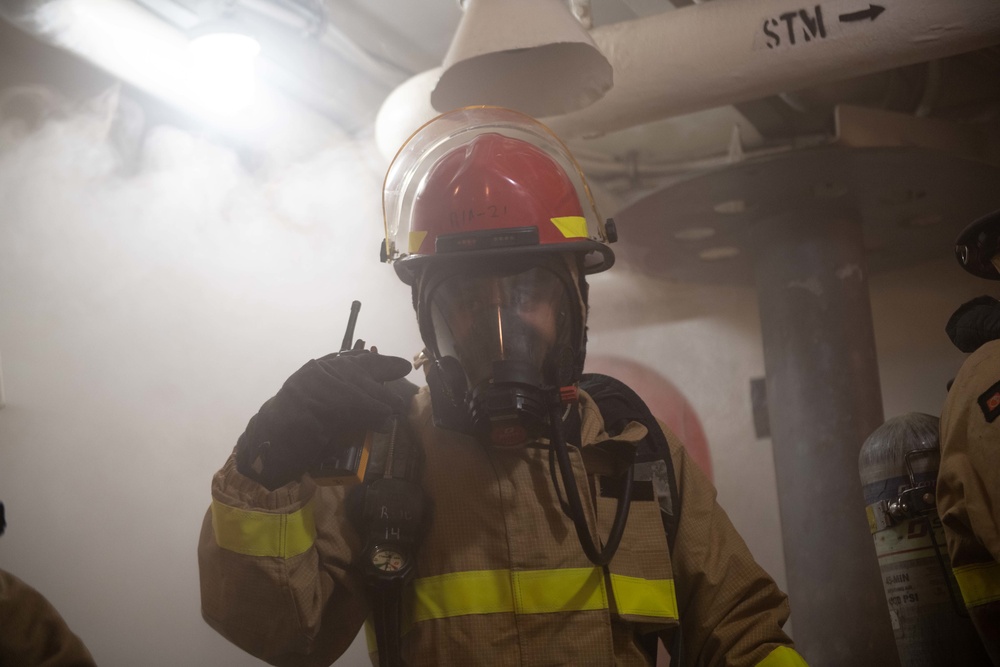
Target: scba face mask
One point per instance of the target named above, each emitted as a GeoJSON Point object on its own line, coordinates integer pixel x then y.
{"type": "Point", "coordinates": [502, 341]}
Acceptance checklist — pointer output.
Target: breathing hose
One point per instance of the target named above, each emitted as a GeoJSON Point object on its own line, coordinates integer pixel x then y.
{"type": "Point", "coordinates": [604, 556]}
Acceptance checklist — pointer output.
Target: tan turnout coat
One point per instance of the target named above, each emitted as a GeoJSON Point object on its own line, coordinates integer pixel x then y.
{"type": "Point", "coordinates": [32, 632]}
{"type": "Point", "coordinates": [968, 488]}
{"type": "Point", "coordinates": [501, 578]}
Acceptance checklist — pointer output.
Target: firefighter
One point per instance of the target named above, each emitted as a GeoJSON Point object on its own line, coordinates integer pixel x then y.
{"type": "Point", "coordinates": [968, 486]}
{"type": "Point", "coordinates": [32, 632]}
{"type": "Point", "coordinates": [550, 530]}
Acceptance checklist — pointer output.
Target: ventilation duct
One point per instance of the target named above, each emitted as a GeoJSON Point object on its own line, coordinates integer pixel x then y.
{"type": "Point", "coordinates": [529, 55]}
{"type": "Point", "coordinates": [720, 53]}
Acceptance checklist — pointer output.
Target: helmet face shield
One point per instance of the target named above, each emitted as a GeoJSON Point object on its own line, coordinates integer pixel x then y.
{"type": "Point", "coordinates": [523, 320]}
{"type": "Point", "coordinates": [487, 180]}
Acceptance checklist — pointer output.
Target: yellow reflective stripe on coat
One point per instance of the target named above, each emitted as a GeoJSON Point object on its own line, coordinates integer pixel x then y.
{"type": "Point", "coordinates": [644, 597]}
{"type": "Point", "coordinates": [536, 592]}
{"type": "Point", "coordinates": [783, 657]}
{"type": "Point", "coordinates": [979, 583]}
{"type": "Point", "coordinates": [263, 533]}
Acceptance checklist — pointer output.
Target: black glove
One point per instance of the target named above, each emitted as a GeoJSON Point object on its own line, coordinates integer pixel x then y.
{"type": "Point", "coordinates": [974, 323]}
{"type": "Point", "coordinates": [328, 403]}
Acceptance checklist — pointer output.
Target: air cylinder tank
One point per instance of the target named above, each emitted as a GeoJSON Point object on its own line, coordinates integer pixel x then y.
{"type": "Point", "coordinates": [898, 465]}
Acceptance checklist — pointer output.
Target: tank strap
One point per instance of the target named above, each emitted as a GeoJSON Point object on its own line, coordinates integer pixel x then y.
{"type": "Point", "coordinates": [619, 405]}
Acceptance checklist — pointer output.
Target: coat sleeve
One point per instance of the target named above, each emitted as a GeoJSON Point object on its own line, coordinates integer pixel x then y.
{"type": "Point", "coordinates": [32, 632]}
{"type": "Point", "coordinates": [275, 570]}
{"type": "Point", "coordinates": [968, 500]}
{"type": "Point", "coordinates": [731, 611]}
{"type": "Point", "coordinates": [969, 474]}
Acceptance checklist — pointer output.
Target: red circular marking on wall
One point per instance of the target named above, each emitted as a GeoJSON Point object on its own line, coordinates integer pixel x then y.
{"type": "Point", "coordinates": [665, 401]}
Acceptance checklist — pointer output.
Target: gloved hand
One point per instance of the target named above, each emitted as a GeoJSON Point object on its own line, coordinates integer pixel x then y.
{"type": "Point", "coordinates": [328, 403]}
{"type": "Point", "coordinates": [974, 323]}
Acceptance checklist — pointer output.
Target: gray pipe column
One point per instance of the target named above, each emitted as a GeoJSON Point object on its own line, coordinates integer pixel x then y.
{"type": "Point", "coordinates": [824, 398]}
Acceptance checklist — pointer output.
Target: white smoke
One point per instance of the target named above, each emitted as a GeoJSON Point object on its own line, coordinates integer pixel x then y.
{"type": "Point", "coordinates": [154, 291]}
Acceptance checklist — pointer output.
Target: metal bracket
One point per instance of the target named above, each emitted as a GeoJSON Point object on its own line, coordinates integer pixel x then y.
{"type": "Point", "coordinates": [914, 500]}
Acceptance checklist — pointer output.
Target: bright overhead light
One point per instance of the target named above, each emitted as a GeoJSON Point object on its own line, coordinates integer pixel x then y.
{"type": "Point", "coordinates": [216, 81]}
{"type": "Point", "coordinates": [223, 71]}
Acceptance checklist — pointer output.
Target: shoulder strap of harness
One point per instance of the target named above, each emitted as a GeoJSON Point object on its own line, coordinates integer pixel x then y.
{"type": "Point", "coordinates": [619, 405]}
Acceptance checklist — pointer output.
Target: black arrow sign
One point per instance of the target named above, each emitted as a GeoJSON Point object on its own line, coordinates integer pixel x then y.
{"type": "Point", "coordinates": [870, 13]}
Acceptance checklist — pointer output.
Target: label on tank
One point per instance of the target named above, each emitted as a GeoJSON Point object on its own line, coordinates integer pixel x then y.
{"type": "Point", "coordinates": [925, 618]}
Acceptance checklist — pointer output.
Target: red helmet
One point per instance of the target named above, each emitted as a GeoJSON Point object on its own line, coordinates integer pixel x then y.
{"type": "Point", "coordinates": [487, 180]}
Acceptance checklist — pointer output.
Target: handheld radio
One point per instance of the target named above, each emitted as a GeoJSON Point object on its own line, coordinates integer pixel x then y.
{"type": "Point", "coordinates": [347, 466]}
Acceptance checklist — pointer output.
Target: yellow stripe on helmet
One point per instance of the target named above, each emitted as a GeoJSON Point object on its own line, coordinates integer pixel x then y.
{"type": "Point", "coordinates": [416, 240]}
{"type": "Point", "coordinates": [571, 226]}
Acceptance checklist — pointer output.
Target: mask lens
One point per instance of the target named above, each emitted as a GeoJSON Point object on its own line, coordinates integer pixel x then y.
{"type": "Point", "coordinates": [520, 317]}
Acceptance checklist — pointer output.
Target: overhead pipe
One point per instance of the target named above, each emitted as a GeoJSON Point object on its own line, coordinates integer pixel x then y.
{"type": "Point", "coordinates": [759, 48]}
{"type": "Point", "coordinates": [720, 53]}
